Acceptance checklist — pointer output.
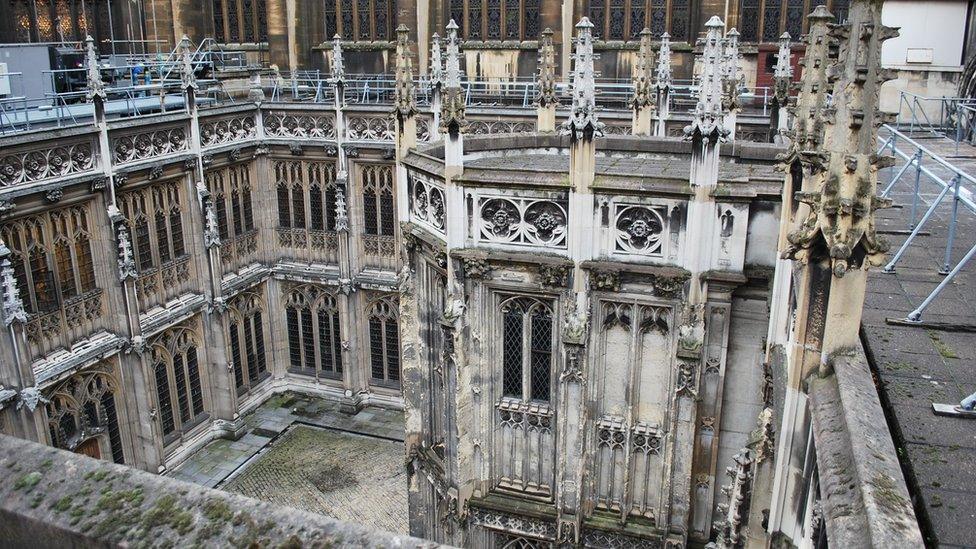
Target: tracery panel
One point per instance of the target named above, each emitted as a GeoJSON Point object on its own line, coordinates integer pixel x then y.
{"type": "Point", "coordinates": [379, 215]}
{"type": "Point", "coordinates": [154, 217]}
{"type": "Point", "coordinates": [521, 221]}
{"type": "Point", "coordinates": [230, 191]}
{"type": "Point", "coordinates": [359, 20]}
{"type": "Point", "coordinates": [524, 440]}
{"type": "Point", "coordinates": [496, 19]}
{"type": "Point", "coordinates": [82, 412]}
{"type": "Point", "coordinates": [310, 205]}
{"type": "Point", "coordinates": [383, 335]}
{"type": "Point", "coordinates": [178, 382]}
{"type": "Point", "coordinates": [51, 255]}
{"type": "Point", "coordinates": [246, 331]}
{"type": "Point", "coordinates": [314, 332]}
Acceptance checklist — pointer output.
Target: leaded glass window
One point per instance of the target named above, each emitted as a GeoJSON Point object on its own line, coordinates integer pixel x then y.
{"type": "Point", "coordinates": [527, 347]}
{"type": "Point", "coordinates": [366, 20]}
{"type": "Point", "coordinates": [378, 205]}
{"type": "Point", "coordinates": [384, 342]}
{"type": "Point", "coordinates": [82, 408]}
{"type": "Point", "coordinates": [240, 21]}
{"type": "Point", "coordinates": [246, 331]}
{"type": "Point", "coordinates": [178, 385]}
{"type": "Point", "coordinates": [157, 237]}
{"type": "Point", "coordinates": [314, 332]}
{"type": "Point", "coordinates": [496, 19]}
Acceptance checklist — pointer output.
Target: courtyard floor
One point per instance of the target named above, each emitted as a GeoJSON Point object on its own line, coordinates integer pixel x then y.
{"type": "Point", "coordinates": [301, 451]}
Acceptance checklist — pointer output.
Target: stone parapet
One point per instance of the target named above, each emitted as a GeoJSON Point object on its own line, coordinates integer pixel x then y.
{"type": "Point", "coordinates": [53, 498]}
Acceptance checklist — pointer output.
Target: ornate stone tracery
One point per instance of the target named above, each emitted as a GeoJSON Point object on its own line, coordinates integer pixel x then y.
{"type": "Point", "coordinates": [538, 222]}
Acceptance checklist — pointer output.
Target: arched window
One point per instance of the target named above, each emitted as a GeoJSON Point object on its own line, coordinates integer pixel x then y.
{"type": "Point", "coordinates": [82, 410]}
{"type": "Point", "coordinates": [496, 19]}
{"type": "Point", "coordinates": [240, 21]}
{"type": "Point", "coordinates": [384, 343]}
{"type": "Point", "coordinates": [246, 340]}
{"type": "Point", "coordinates": [767, 20]}
{"type": "Point", "coordinates": [527, 349]}
{"type": "Point", "coordinates": [355, 20]}
{"type": "Point", "coordinates": [314, 334]}
{"type": "Point", "coordinates": [154, 216]}
{"type": "Point", "coordinates": [625, 19]}
{"type": "Point", "coordinates": [377, 185]}
{"type": "Point", "coordinates": [307, 197]}
{"type": "Point", "coordinates": [230, 190]}
{"type": "Point", "coordinates": [176, 369]}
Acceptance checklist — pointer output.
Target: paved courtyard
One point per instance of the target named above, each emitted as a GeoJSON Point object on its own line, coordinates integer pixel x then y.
{"type": "Point", "coordinates": [300, 450]}
{"type": "Point", "coordinates": [350, 477]}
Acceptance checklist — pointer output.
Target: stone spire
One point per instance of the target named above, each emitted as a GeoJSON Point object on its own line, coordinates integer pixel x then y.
{"type": "Point", "coordinates": [643, 101]}
{"type": "Point", "coordinates": [452, 109]}
{"type": "Point", "coordinates": [187, 76]}
{"type": "Point", "coordinates": [13, 306]}
{"type": "Point", "coordinates": [546, 100]}
{"type": "Point", "coordinates": [211, 233]}
{"type": "Point", "coordinates": [404, 100]}
{"type": "Point", "coordinates": [808, 128]}
{"type": "Point", "coordinates": [338, 73]}
{"type": "Point", "coordinates": [707, 116]}
{"type": "Point", "coordinates": [436, 62]}
{"type": "Point", "coordinates": [731, 79]}
{"type": "Point", "coordinates": [663, 86]}
{"type": "Point", "coordinates": [841, 220]}
{"type": "Point", "coordinates": [96, 88]}
{"type": "Point", "coordinates": [583, 121]}
{"type": "Point", "coordinates": [782, 78]}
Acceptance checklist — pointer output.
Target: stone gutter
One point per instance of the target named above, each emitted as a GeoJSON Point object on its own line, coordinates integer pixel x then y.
{"type": "Point", "coordinates": [54, 498]}
{"type": "Point", "coordinates": [863, 493]}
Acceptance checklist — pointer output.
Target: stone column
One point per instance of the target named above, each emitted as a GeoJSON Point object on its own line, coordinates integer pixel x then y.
{"type": "Point", "coordinates": [663, 87]}
{"type": "Point", "coordinates": [28, 414]}
{"type": "Point", "coordinates": [833, 240]}
{"type": "Point", "coordinates": [731, 81]}
{"type": "Point", "coordinates": [546, 100]}
{"type": "Point", "coordinates": [643, 102]}
{"type": "Point", "coordinates": [782, 79]}
{"type": "Point", "coordinates": [583, 126]}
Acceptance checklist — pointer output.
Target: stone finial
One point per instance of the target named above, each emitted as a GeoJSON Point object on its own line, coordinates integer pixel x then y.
{"type": "Point", "coordinates": [731, 76]}
{"type": "Point", "coordinates": [582, 118]}
{"type": "Point", "coordinates": [342, 216]}
{"type": "Point", "coordinates": [187, 75]}
{"type": "Point", "coordinates": [643, 81]}
{"type": "Point", "coordinates": [546, 84]}
{"type": "Point", "coordinates": [452, 108]}
{"type": "Point", "coordinates": [664, 63]}
{"type": "Point", "coordinates": [127, 263]}
{"type": "Point", "coordinates": [807, 134]}
{"type": "Point", "coordinates": [404, 101]}
{"type": "Point", "coordinates": [707, 116]}
{"type": "Point", "coordinates": [96, 87]}
{"type": "Point", "coordinates": [211, 233]}
{"type": "Point", "coordinates": [13, 306]}
{"type": "Point", "coordinates": [338, 73]}
{"type": "Point", "coordinates": [436, 62]}
{"type": "Point", "coordinates": [783, 71]}
{"type": "Point", "coordinates": [843, 200]}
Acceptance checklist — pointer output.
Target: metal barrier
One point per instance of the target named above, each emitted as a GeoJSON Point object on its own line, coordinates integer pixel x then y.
{"type": "Point", "coordinates": [959, 185]}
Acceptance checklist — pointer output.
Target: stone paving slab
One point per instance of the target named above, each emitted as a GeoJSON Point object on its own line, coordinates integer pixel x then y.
{"type": "Point", "coordinates": [346, 476]}
{"type": "Point", "coordinates": [215, 462]}
{"type": "Point", "coordinates": [919, 365]}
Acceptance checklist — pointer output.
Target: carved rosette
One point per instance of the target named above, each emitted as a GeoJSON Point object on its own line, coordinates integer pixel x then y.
{"type": "Point", "coordinates": [555, 276]}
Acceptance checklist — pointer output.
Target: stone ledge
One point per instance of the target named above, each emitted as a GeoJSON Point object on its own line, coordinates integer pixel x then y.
{"type": "Point", "coordinates": [865, 499]}
{"type": "Point", "coordinates": [53, 498]}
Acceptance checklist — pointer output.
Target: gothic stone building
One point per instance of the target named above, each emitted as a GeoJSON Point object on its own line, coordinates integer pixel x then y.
{"type": "Point", "coordinates": [500, 37]}
{"type": "Point", "coordinates": [574, 321]}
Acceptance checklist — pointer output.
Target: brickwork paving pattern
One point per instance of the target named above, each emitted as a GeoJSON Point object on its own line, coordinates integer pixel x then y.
{"type": "Point", "coordinates": [346, 476]}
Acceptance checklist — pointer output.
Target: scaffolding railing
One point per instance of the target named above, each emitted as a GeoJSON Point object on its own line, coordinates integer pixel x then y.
{"type": "Point", "coordinates": [959, 185]}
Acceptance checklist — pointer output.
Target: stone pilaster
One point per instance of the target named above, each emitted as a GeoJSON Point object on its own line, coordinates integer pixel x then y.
{"type": "Point", "coordinates": [29, 418]}
{"type": "Point", "coordinates": [642, 103]}
{"type": "Point", "coordinates": [662, 86]}
{"type": "Point", "coordinates": [583, 127]}
{"type": "Point", "coordinates": [546, 100]}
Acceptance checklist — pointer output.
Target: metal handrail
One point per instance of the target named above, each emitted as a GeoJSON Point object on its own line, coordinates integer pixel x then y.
{"type": "Point", "coordinates": [960, 195]}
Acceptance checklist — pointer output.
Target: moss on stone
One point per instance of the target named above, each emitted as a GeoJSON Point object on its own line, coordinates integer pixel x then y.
{"type": "Point", "coordinates": [28, 481]}
{"type": "Point", "coordinates": [63, 504]}
{"type": "Point", "coordinates": [166, 512]}
{"type": "Point", "coordinates": [217, 511]}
